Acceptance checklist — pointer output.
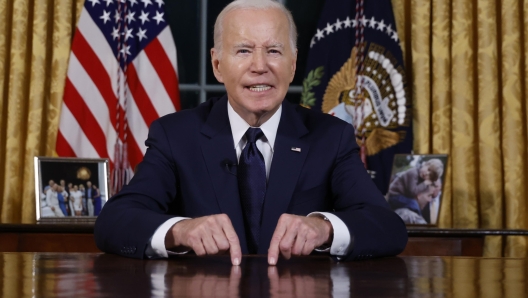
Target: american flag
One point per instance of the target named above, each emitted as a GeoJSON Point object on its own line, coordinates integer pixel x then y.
{"type": "Point", "coordinates": [122, 75]}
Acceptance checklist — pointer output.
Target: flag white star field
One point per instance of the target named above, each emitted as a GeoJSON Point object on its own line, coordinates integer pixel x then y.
{"type": "Point", "coordinates": [122, 75]}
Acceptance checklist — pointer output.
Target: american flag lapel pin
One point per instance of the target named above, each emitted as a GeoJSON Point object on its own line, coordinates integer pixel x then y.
{"type": "Point", "coordinates": [296, 149]}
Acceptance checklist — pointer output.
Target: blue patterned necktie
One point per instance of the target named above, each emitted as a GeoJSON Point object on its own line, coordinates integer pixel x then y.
{"type": "Point", "coordinates": [251, 175]}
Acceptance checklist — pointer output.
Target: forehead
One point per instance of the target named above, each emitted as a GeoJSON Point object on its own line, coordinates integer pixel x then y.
{"type": "Point", "coordinates": [255, 25]}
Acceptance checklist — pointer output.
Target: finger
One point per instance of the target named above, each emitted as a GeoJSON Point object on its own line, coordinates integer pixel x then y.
{"type": "Point", "coordinates": [234, 244]}
{"type": "Point", "coordinates": [300, 240]}
{"type": "Point", "coordinates": [209, 244]}
{"type": "Point", "coordinates": [308, 248]}
{"type": "Point", "coordinates": [221, 243]}
{"type": "Point", "coordinates": [286, 245]}
{"type": "Point", "coordinates": [220, 238]}
{"type": "Point", "coordinates": [197, 247]}
{"type": "Point", "coordinates": [288, 239]}
{"type": "Point", "coordinates": [273, 251]}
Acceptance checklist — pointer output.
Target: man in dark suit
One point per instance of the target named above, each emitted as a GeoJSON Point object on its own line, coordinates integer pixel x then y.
{"type": "Point", "coordinates": [249, 172]}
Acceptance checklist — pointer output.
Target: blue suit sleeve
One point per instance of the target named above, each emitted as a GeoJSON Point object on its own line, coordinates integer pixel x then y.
{"type": "Point", "coordinates": [130, 218]}
{"type": "Point", "coordinates": [375, 229]}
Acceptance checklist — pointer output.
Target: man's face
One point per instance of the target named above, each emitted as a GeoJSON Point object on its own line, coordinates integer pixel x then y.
{"type": "Point", "coordinates": [256, 63]}
{"type": "Point", "coordinates": [89, 184]}
{"type": "Point", "coordinates": [424, 197]}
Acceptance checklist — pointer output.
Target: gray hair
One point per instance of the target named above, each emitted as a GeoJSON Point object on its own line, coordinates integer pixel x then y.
{"type": "Point", "coordinates": [253, 4]}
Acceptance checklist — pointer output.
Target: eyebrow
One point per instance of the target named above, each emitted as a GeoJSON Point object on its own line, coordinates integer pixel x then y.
{"type": "Point", "coordinates": [248, 45]}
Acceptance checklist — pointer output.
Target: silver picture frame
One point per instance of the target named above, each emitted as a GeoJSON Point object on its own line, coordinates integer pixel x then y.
{"type": "Point", "coordinates": [416, 187]}
{"type": "Point", "coordinates": [69, 189]}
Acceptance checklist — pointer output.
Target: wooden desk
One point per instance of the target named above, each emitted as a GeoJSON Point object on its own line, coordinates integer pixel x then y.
{"type": "Point", "coordinates": [79, 238]}
{"type": "Point", "coordinates": [424, 241]}
{"type": "Point", "coordinates": [47, 238]}
{"type": "Point", "coordinates": [102, 275]}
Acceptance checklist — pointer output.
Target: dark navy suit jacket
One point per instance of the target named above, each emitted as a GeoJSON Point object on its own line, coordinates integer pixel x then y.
{"type": "Point", "coordinates": [189, 170]}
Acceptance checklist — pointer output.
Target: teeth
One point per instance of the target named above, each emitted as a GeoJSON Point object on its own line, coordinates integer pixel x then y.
{"type": "Point", "coordinates": [259, 88]}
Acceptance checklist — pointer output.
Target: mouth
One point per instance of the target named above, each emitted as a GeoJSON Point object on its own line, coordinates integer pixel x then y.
{"type": "Point", "coordinates": [259, 88]}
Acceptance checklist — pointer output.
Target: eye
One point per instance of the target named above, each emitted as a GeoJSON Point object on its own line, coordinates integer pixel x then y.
{"type": "Point", "coordinates": [243, 51]}
{"type": "Point", "coordinates": [274, 51]}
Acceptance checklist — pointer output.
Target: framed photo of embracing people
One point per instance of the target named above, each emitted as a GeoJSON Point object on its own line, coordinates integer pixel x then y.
{"type": "Point", "coordinates": [415, 190]}
{"type": "Point", "coordinates": [70, 190]}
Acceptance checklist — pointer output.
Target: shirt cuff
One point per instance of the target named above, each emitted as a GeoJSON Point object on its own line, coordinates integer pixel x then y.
{"type": "Point", "coordinates": [156, 247]}
{"type": "Point", "coordinates": [342, 242]}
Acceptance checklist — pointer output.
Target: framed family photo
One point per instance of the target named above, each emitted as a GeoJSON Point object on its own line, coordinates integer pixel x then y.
{"type": "Point", "coordinates": [70, 190]}
{"type": "Point", "coordinates": [415, 189]}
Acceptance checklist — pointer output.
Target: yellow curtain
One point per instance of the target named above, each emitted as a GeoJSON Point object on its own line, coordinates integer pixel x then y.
{"type": "Point", "coordinates": [467, 61]}
{"type": "Point", "coordinates": [35, 40]}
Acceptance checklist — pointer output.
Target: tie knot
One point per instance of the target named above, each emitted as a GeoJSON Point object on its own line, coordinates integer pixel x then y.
{"type": "Point", "coordinates": [253, 134]}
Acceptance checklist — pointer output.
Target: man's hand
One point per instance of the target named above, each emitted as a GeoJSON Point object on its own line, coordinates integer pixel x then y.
{"type": "Point", "coordinates": [208, 235]}
{"type": "Point", "coordinates": [298, 235]}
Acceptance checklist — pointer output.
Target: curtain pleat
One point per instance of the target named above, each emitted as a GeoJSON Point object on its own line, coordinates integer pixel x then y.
{"type": "Point", "coordinates": [34, 49]}
{"type": "Point", "coordinates": [464, 153]}
{"type": "Point", "coordinates": [441, 97]}
{"type": "Point", "coordinates": [421, 84]}
{"type": "Point", "coordinates": [524, 16]}
{"type": "Point", "coordinates": [17, 108]}
{"type": "Point", "coordinates": [514, 145]}
{"type": "Point", "coordinates": [5, 33]}
{"type": "Point", "coordinates": [488, 118]}
{"type": "Point", "coordinates": [513, 125]}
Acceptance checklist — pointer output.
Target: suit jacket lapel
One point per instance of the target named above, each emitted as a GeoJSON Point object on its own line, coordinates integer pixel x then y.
{"type": "Point", "coordinates": [220, 157]}
{"type": "Point", "coordinates": [285, 169]}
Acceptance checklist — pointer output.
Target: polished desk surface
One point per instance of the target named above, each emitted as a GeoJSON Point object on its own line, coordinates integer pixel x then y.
{"type": "Point", "coordinates": [103, 275]}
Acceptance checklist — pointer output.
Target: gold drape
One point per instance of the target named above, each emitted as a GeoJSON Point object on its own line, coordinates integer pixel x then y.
{"type": "Point", "coordinates": [467, 64]}
{"type": "Point", "coordinates": [35, 40]}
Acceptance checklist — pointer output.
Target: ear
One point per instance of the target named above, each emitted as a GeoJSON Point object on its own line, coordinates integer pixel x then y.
{"type": "Point", "coordinates": [294, 65]}
{"type": "Point", "coordinates": [215, 61]}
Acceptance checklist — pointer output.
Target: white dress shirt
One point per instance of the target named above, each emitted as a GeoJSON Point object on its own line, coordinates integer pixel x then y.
{"type": "Point", "coordinates": [341, 242]}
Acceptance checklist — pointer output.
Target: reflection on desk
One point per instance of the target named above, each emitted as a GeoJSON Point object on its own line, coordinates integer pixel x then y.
{"type": "Point", "coordinates": [101, 275]}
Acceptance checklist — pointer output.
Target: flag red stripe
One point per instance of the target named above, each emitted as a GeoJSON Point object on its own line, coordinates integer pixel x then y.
{"type": "Point", "coordinates": [140, 96]}
{"type": "Point", "coordinates": [86, 120]}
{"type": "Point", "coordinates": [95, 69]}
{"type": "Point", "coordinates": [159, 60]}
{"type": "Point", "coordinates": [63, 147]}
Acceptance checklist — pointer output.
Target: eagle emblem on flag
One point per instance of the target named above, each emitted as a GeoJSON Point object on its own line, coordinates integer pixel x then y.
{"type": "Point", "coordinates": [381, 103]}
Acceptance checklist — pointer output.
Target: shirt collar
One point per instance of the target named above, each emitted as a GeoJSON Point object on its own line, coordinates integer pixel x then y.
{"type": "Point", "coordinates": [239, 126]}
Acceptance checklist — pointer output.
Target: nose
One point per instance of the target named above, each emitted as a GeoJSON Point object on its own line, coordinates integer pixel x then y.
{"type": "Point", "coordinates": [259, 64]}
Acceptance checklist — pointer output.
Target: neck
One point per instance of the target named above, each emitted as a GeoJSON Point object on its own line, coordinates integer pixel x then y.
{"type": "Point", "coordinates": [254, 119]}
{"type": "Point", "coordinates": [257, 120]}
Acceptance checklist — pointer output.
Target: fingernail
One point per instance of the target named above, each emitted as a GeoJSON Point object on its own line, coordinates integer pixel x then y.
{"type": "Point", "coordinates": [236, 262]}
{"type": "Point", "coordinates": [271, 261]}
